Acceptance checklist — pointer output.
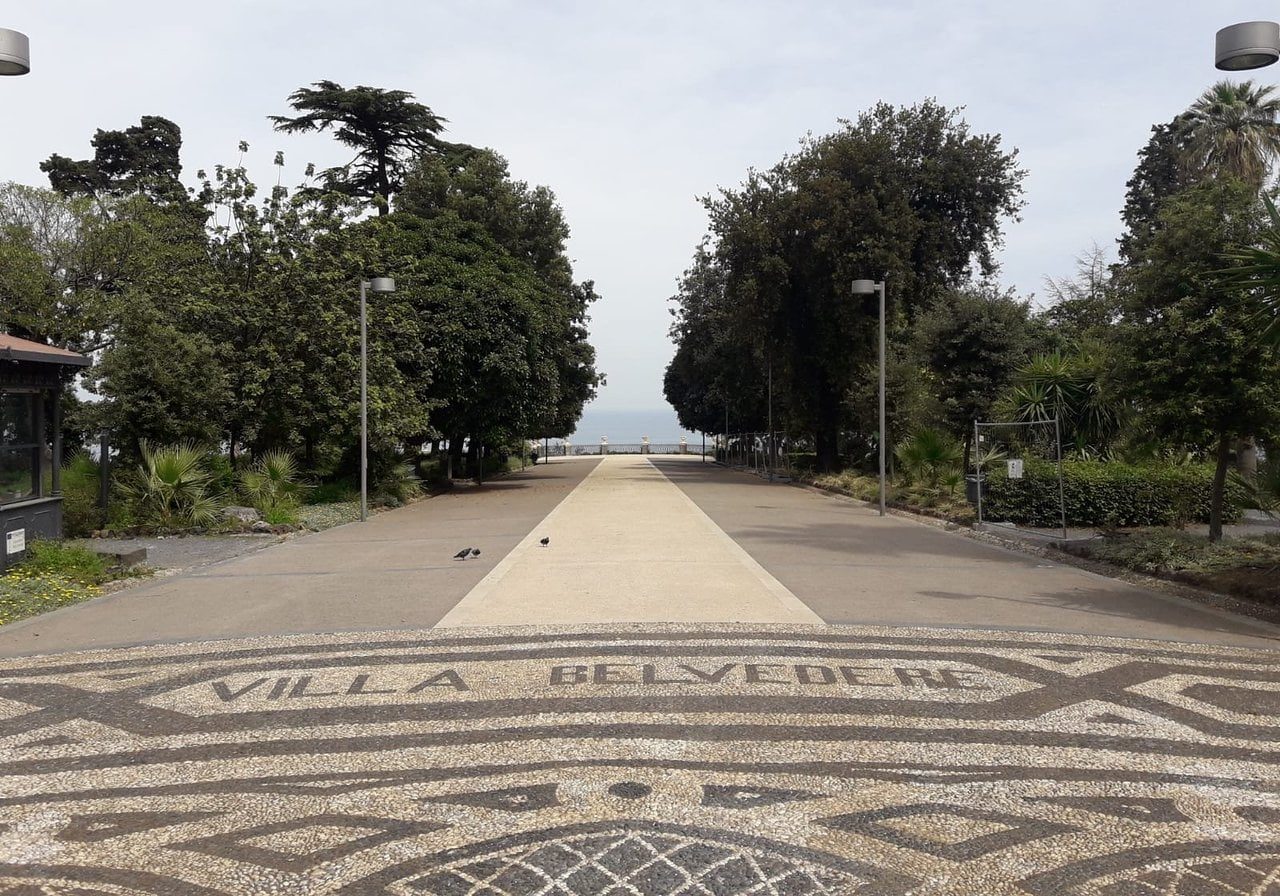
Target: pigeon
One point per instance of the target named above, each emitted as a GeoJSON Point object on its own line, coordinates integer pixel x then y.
{"type": "Point", "coordinates": [544, 542]}
{"type": "Point", "coordinates": [475, 552]}
{"type": "Point", "coordinates": [462, 554]}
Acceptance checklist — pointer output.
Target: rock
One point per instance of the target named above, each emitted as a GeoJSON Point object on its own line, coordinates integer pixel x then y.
{"type": "Point", "coordinates": [243, 514]}
{"type": "Point", "coordinates": [262, 526]}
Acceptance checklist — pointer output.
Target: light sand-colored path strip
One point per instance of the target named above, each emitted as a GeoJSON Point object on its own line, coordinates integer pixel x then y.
{"type": "Point", "coordinates": [627, 546]}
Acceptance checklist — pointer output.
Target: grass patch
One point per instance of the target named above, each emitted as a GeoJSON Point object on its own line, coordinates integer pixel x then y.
{"type": "Point", "coordinates": [1246, 567]}
{"type": "Point", "coordinates": [938, 502]}
{"type": "Point", "coordinates": [52, 575]}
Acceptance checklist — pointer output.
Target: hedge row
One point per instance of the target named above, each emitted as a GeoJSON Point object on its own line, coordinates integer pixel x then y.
{"type": "Point", "coordinates": [1106, 494]}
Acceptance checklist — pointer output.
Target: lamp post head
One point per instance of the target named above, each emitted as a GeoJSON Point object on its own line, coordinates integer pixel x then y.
{"type": "Point", "coordinates": [1247, 45]}
{"type": "Point", "coordinates": [382, 284]}
{"type": "Point", "coordinates": [15, 53]}
{"type": "Point", "coordinates": [864, 287]}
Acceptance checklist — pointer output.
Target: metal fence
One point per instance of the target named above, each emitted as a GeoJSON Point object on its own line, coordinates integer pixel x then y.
{"type": "Point", "coordinates": [553, 449]}
{"type": "Point", "coordinates": [769, 455]}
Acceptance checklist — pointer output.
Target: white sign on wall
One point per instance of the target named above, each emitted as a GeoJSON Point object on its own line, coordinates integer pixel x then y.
{"type": "Point", "coordinates": [15, 542]}
{"type": "Point", "coordinates": [1015, 468]}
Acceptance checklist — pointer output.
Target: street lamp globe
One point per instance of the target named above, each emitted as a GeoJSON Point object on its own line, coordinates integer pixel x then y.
{"type": "Point", "coordinates": [15, 53]}
{"type": "Point", "coordinates": [382, 285]}
{"type": "Point", "coordinates": [864, 287]}
{"type": "Point", "coordinates": [1246, 46]}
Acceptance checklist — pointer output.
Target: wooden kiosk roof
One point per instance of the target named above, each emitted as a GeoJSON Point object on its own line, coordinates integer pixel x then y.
{"type": "Point", "coordinates": [14, 349]}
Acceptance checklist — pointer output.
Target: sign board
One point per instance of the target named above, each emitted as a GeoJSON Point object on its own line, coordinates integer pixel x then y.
{"type": "Point", "coordinates": [15, 542]}
{"type": "Point", "coordinates": [1015, 468]}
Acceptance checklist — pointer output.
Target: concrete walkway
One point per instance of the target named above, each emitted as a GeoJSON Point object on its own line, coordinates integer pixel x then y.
{"type": "Point", "coordinates": [627, 546]}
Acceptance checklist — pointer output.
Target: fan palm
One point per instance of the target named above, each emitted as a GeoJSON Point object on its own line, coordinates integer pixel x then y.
{"type": "Point", "coordinates": [1235, 132]}
{"type": "Point", "coordinates": [171, 486]}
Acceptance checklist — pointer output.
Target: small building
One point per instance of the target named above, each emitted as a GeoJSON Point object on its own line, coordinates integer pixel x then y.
{"type": "Point", "coordinates": [31, 379]}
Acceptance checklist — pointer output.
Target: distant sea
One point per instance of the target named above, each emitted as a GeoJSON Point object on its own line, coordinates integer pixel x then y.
{"type": "Point", "coordinates": [628, 427]}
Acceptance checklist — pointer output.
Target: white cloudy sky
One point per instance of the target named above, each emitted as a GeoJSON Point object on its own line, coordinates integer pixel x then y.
{"type": "Point", "coordinates": [629, 110]}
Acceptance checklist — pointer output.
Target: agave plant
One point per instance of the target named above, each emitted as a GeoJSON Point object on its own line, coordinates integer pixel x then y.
{"type": "Point", "coordinates": [928, 456]}
{"type": "Point", "coordinates": [171, 486]}
{"type": "Point", "coordinates": [271, 484]}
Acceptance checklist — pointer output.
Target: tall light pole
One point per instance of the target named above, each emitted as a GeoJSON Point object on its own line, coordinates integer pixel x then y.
{"type": "Point", "coordinates": [378, 286]}
{"type": "Point", "coordinates": [1247, 46]}
{"type": "Point", "coordinates": [15, 53]}
{"type": "Point", "coordinates": [866, 288]}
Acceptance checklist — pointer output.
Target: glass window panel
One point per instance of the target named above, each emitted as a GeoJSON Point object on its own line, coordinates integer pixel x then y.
{"type": "Point", "coordinates": [17, 412]}
{"type": "Point", "coordinates": [17, 474]}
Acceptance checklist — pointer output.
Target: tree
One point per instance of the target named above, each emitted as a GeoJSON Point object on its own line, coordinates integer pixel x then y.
{"type": "Point", "coordinates": [1188, 357]}
{"type": "Point", "coordinates": [908, 193]}
{"type": "Point", "coordinates": [387, 128]}
{"type": "Point", "coordinates": [1162, 172]}
{"type": "Point", "coordinates": [139, 159]}
{"type": "Point", "coordinates": [971, 341]}
{"type": "Point", "coordinates": [1234, 132]}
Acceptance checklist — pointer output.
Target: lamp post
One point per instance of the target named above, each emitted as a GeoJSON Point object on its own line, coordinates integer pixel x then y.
{"type": "Point", "coordinates": [866, 288]}
{"type": "Point", "coordinates": [1246, 46]}
{"type": "Point", "coordinates": [15, 53]}
{"type": "Point", "coordinates": [378, 285]}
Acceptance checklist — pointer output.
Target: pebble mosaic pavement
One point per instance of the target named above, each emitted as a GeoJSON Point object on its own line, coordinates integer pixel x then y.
{"type": "Point", "coordinates": [725, 760]}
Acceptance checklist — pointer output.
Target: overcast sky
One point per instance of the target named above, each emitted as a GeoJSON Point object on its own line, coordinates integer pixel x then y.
{"type": "Point", "coordinates": [630, 110]}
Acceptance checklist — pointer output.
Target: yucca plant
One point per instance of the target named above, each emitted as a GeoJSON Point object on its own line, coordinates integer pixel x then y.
{"type": "Point", "coordinates": [927, 456]}
{"type": "Point", "coordinates": [171, 486]}
{"type": "Point", "coordinates": [272, 484]}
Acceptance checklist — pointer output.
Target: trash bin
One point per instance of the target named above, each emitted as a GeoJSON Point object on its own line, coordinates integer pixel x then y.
{"type": "Point", "coordinates": [971, 487]}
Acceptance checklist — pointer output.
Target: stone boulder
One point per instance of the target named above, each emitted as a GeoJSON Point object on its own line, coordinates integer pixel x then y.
{"type": "Point", "coordinates": [243, 514]}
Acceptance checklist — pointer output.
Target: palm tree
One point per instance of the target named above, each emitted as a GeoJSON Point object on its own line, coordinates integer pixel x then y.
{"type": "Point", "coordinates": [1235, 132]}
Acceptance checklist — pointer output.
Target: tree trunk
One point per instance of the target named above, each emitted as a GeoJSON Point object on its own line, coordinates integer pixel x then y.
{"type": "Point", "coordinates": [827, 435]}
{"type": "Point", "coordinates": [309, 450]}
{"type": "Point", "coordinates": [233, 438]}
{"type": "Point", "coordinates": [1219, 488]}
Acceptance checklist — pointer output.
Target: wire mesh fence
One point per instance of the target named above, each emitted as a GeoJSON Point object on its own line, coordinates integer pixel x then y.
{"type": "Point", "coordinates": [1011, 458]}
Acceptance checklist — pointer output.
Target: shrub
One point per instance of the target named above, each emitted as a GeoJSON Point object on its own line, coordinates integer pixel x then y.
{"type": "Point", "coordinates": [171, 487]}
{"type": "Point", "coordinates": [1106, 494]}
{"type": "Point", "coordinates": [341, 492]}
{"type": "Point", "coordinates": [930, 458]}
{"type": "Point", "coordinates": [397, 485]}
{"type": "Point", "coordinates": [271, 485]}
{"type": "Point", "coordinates": [80, 489]}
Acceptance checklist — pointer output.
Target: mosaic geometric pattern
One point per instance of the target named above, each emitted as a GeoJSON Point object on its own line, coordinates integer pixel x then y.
{"type": "Point", "coordinates": [721, 760]}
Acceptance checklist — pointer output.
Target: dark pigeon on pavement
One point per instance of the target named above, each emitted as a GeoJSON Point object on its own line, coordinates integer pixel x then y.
{"type": "Point", "coordinates": [462, 554]}
{"type": "Point", "coordinates": [475, 552]}
{"type": "Point", "coordinates": [544, 542]}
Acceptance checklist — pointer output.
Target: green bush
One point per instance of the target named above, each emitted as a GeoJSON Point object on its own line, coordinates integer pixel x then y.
{"type": "Point", "coordinates": [1106, 494]}
{"type": "Point", "coordinates": [272, 486]}
{"type": "Point", "coordinates": [171, 487]}
{"type": "Point", "coordinates": [340, 492]}
{"type": "Point", "coordinates": [80, 485]}
{"type": "Point", "coordinates": [396, 486]}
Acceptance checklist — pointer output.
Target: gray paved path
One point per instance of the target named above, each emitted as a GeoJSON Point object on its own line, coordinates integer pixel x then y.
{"type": "Point", "coordinates": [639, 759]}
{"type": "Point", "coordinates": [394, 571]}
{"type": "Point", "coordinates": [852, 566]}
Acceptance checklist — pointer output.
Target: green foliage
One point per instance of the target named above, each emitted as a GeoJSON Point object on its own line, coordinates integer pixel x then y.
{"type": "Point", "coordinates": [332, 493]}
{"type": "Point", "coordinates": [272, 486]}
{"type": "Point", "coordinates": [1163, 551]}
{"type": "Point", "coordinates": [138, 159]}
{"type": "Point", "coordinates": [930, 458]}
{"type": "Point", "coordinates": [1234, 132]}
{"type": "Point", "coordinates": [81, 487]}
{"type": "Point", "coordinates": [1105, 494]}
{"type": "Point", "coordinates": [971, 342]}
{"type": "Point", "coordinates": [72, 562]}
{"type": "Point", "coordinates": [1071, 387]}
{"type": "Point", "coordinates": [385, 127]}
{"type": "Point", "coordinates": [398, 485]}
{"type": "Point", "coordinates": [908, 193]}
{"type": "Point", "coordinates": [171, 487]}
